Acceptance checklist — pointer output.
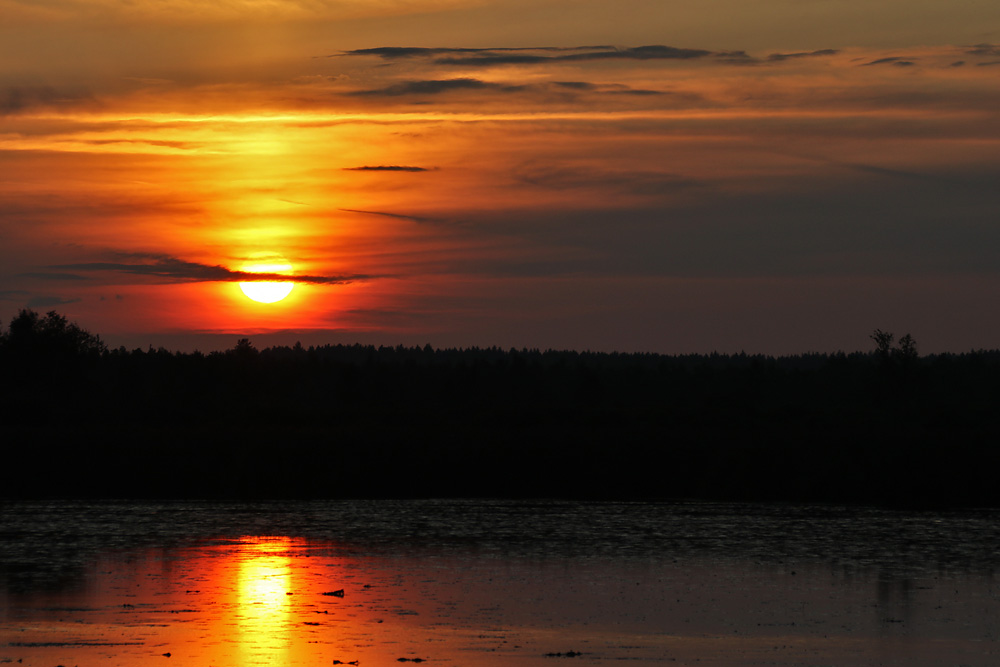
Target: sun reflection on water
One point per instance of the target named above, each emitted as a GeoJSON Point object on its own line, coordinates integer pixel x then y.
{"type": "Point", "coordinates": [263, 593]}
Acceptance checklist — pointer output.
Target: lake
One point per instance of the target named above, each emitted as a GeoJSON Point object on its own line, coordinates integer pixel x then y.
{"type": "Point", "coordinates": [489, 583]}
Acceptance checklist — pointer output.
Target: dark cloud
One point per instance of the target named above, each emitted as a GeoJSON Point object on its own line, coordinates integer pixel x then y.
{"type": "Point", "coordinates": [651, 52]}
{"type": "Point", "coordinates": [16, 99]}
{"type": "Point", "coordinates": [984, 50]}
{"type": "Point", "coordinates": [736, 57]}
{"type": "Point", "coordinates": [13, 295]}
{"type": "Point", "coordinates": [174, 270]}
{"type": "Point", "coordinates": [802, 54]}
{"type": "Point", "coordinates": [49, 301]}
{"type": "Point", "coordinates": [575, 85]}
{"type": "Point", "coordinates": [52, 276]}
{"type": "Point", "coordinates": [493, 59]}
{"type": "Point", "coordinates": [482, 57]}
{"type": "Point", "coordinates": [391, 167]}
{"type": "Point", "coordinates": [396, 216]}
{"type": "Point", "coordinates": [399, 52]}
{"type": "Point", "coordinates": [957, 63]}
{"type": "Point", "coordinates": [604, 88]}
{"type": "Point", "coordinates": [994, 62]}
{"type": "Point", "coordinates": [898, 61]}
{"type": "Point", "coordinates": [437, 86]}
{"type": "Point", "coordinates": [633, 182]}
{"type": "Point", "coordinates": [640, 92]}
{"type": "Point", "coordinates": [886, 171]}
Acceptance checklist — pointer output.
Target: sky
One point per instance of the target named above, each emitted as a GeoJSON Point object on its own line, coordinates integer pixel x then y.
{"type": "Point", "coordinates": [775, 177]}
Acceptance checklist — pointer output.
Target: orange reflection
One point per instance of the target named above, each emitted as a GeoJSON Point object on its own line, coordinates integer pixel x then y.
{"type": "Point", "coordinates": [264, 579]}
{"type": "Point", "coordinates": [275, 601]}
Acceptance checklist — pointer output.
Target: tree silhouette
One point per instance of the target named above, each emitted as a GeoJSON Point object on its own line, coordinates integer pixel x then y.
{"type": "Point", "coordinates": [907, 348]}
{"type": "Point", "coordinates": [513, 423]}
{"type": "Point", "coordinates": [883, 343]}
{"type": "Point", "coordinates": [244, 349]}
{"type": "Point", "coordinates": [53, 336]}
{"type": "Point", "coordinates": [905, 352]}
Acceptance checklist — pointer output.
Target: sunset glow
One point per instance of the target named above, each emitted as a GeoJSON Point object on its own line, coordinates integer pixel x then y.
{"type": "Point", "coordinates": [681, 185]}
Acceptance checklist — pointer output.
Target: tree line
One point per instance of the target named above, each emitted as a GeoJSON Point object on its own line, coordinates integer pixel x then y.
{"type": "Point", "coordinates": [885, 426]}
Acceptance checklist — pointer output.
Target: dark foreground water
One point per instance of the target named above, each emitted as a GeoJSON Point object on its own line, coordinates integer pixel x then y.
{"type": "Point", "coordinates": [495, 583]}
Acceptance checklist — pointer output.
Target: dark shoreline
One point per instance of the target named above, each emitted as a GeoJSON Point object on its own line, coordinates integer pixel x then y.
{"type": "Point", "coordinates": [365, 422]}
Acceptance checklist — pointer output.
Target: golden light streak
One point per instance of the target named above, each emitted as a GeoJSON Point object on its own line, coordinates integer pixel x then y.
{"type": "Point", "coordinates": [264, 584]}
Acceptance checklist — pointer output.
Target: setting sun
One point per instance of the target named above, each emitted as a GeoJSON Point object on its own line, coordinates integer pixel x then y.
{"type": "Point", "coordinates": [267, 291]}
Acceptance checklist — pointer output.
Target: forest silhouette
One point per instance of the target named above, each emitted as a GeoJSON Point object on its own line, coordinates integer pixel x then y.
{"type": "Point", "coordinates": [886, 427]}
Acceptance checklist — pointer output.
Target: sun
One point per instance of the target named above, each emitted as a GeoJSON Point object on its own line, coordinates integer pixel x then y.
{"type": "Point", "coordinates": [266, 291]}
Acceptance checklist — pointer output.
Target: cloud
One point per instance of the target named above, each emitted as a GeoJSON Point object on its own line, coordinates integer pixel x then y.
{"type": "Point", "coordinates": [17, 99]}
{"type": "Point", "coordinates": [440, 86]}
{"type": "Point", "coordinates": [400, 52]}
{"type": "Point", "coordinates": [397, 216]}
{"type": "Point", "coordinates": [575, 85]}
{"type": "Point", "coordinates": [803, 54]}
{"type": "Point", "coordinates": [180, 145]}
{"type": "Point", "coordinates": [483, 57]}
{"type": "Point", "coordinates": [437, 86]}
{"type": "Point", "coordinates": [173, 270]}
{"type": "Point", "coordinates": [48, 301]}
{"type": "Point", "coordinates": [13, 295]}
{"type": "Point", "coordinates": [651, 52]}
{"type": "Point", "coordinates": [984, 50]}
{"type": "Point", "coordinates": [534, 55]}
{"type": "Point", "coordinates": [52, 276]}
{"type": "Point", "coordinates": [898, 61]}
{"type": "Point", "coordinates": [736, 57]}
{"type": "Point", "coordinates": [639, 92]}
{"type": "Point", "coordinates": [392, 167]}
{"type": "Point", "coordinates": [633, 182]}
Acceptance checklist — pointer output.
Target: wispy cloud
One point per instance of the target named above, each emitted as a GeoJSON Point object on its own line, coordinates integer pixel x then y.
{"type": "Point", "coordinates": [396, 216]}
{"type": "Point", "coordinates": [802, 54]}
{"type": "Point", "coordinates": [49, 301]}
{"type": "Point", "coordinates": [399, 52]}
{"type": "Point", "coordinates": [442, 86]}
{"type": "Point", "coordinates": [627, 181]}
{"type": "Point", "coordinates": [391, 167]}
{"type": "Point", "coordinates": [174, 270]}
{"type": "Point", "coordinates": [483, 57]}
{"type": "Point", "coordinates": [469, 57]}
{"type": "Point", "coordinates": [575, 85]}
{"type": "Point", "coordinates": [984, 50]}
{"type": "Point", "coordinates": [42, 275]}
{"type": "Point", "coordinates": [13, 295]}
{"type": "Point", "coordinates": [898, 61]}
{"type": "Point", "coordinates": [18, 99]}
{"type": "Point", "coordinates": [651, 52]}
{"type": "Point", "coordinates": [437, 86]}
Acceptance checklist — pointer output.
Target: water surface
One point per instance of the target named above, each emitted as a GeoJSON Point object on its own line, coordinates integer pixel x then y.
{"type": "Point", "coordinates": [489, 583]}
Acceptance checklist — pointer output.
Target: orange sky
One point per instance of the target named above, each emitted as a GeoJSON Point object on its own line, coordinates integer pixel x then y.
{"type": "Point", "coordinates": [543, 174]}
